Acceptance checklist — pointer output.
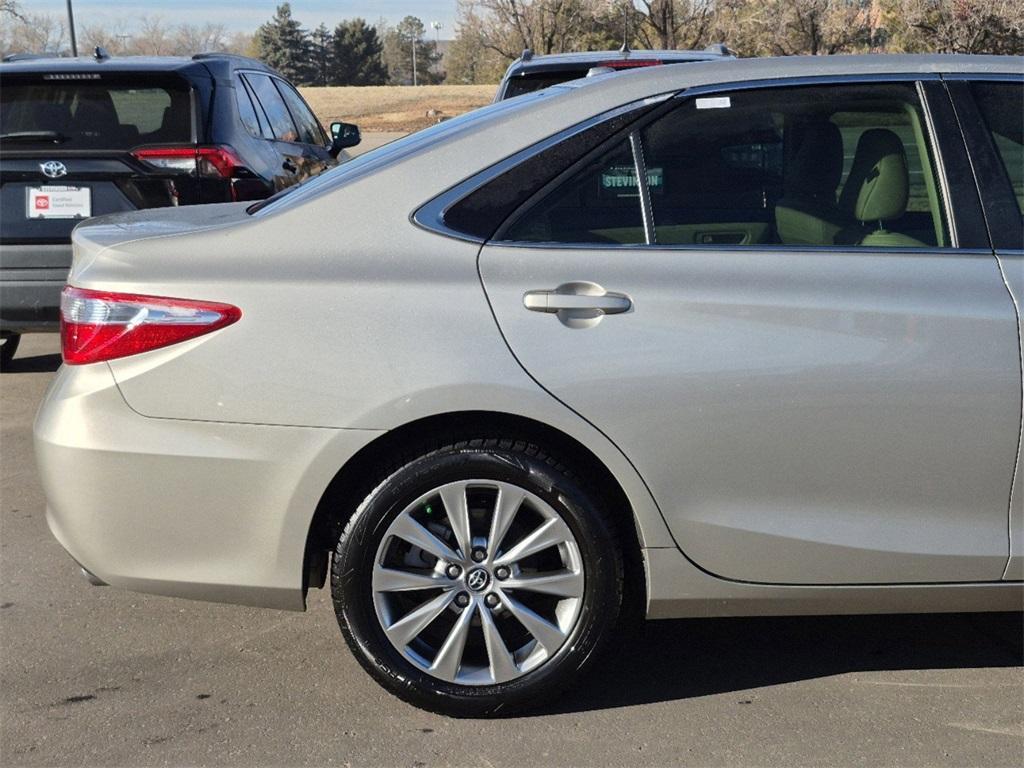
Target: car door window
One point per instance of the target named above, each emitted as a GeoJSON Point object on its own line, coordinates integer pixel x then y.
{"type": "Point", "coordinates": [483, 210]}
{"type": "Point", "coordinates": [599, 204]}
{"type": "Point", "coordinates": [842, 166]}
{"type": "Point", "coordinates": [309, 129]}
{"type": "Point", "coordinates": [280, 119]}
{"type": "Point", "coordinates": [246, 109]}
{"type": "Point", "coordinates": [1002, 109]}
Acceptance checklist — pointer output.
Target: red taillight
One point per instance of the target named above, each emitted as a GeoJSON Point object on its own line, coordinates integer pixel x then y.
{"type": "Point", "coordinates": [206, 161]}
{"type": "Point", "coordinates": [100, 325]}
{"type": "Point", "coordinates": [630, 63]}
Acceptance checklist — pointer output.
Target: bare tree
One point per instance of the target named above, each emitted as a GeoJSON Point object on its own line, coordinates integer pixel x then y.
{"type": "Point", "coordinates": [793, 27]}
{"type": "Point", "coordinates": [33, 33]}
{"type": "Point", "coordinates": [153, 37]}
{"type": "Point", "coordinates": [189, 39]}
{"type": "Point", "coordinates": [672, 24]}
{"type": "Point", "coordinates": [11, 8]}
{"type": "Point", "coordinates": [958, 26]}
{"type": "Point", "coordinates": [544, 26]}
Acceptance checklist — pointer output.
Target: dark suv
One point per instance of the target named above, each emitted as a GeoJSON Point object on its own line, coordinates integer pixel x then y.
{"type": "Point", "coordinates": [532, 73]}
{"type": "Point", "coordinates": [81, 137]}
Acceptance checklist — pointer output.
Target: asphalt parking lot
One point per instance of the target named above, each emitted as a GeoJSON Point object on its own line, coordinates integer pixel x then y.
{"type": "Point", "coordinates": [99, 676]}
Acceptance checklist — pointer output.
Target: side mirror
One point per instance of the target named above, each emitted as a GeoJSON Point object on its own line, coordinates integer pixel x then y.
{"type": "Point", "coordinates": [343, 136]}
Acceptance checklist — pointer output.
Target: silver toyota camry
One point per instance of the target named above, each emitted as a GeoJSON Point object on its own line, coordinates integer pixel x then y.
{"type": "Point", "coordinates": [726, 338]}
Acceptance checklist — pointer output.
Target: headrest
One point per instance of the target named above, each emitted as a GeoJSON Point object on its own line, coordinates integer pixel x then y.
{"type": "Point", "coordinates": [880, 173]}
{"type": "Point", "coordinates": [817, 164]}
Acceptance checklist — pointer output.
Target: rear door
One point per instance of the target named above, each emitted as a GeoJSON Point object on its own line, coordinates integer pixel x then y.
{"type": "Point", "coordinates": [66, 151]}
{"type": "Point", "coordinates": [838, 413]}
{"type": "Point", "coordinates": [992, 114]}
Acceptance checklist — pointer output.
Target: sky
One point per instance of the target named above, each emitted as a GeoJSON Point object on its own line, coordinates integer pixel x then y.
{"type": "Point", "coordinates": [246, 15]}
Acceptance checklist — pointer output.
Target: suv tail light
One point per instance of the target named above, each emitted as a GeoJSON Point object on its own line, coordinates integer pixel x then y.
{"type": "Point", "coordinates": [218, 161]}
{"type": "Point", "coordinates": [100, 325]}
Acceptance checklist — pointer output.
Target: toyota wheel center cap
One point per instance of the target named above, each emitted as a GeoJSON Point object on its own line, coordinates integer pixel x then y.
{"type": "Point", "coordinates": [478, 579]}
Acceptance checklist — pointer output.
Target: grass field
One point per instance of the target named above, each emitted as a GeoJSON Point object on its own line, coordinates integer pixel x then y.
{"type": "Point", "coordinates": [395, 108]}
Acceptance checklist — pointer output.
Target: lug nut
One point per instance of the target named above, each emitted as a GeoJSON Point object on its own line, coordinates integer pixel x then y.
{"type": "Point", "coordinates": [452, 571]}
{"type": "Point", "coordinates": [479, 555]}
{"type": "Point", "coordinates": [462, 599]}
{"type": "Point", "coordinates": [502, 572]}
{"type": "Point", "coordinates": [492, 600]}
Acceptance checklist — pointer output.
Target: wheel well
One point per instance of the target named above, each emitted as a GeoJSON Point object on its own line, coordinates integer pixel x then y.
{"type": "Point", "coordinates": [397, 446]}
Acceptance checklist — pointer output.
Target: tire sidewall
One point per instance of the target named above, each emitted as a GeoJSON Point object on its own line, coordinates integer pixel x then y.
{"type": "Point", "coordinates": [353, 564]}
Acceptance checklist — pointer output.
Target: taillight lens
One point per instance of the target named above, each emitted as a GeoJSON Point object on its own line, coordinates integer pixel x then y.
{"type": "Point", "coordinates": [100, 325]}
{"type": "Point", "coordinates": [219, 162]}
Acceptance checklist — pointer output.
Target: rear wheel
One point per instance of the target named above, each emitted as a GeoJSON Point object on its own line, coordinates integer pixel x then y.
{"type": "Point", "coordinates": [477, 579]}
{"type": "Point", "coordinates": [8, 346]}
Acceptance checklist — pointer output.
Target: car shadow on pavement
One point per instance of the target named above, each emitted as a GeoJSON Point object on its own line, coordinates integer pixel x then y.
{"type": "Point", "coordinates": [34, 364]}
{"type": "Point", "coordinates": [669, 660]}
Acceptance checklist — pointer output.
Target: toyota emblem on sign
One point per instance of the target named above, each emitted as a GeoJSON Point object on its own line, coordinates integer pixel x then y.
{"type": "Point", "coordinates": [54, 169]}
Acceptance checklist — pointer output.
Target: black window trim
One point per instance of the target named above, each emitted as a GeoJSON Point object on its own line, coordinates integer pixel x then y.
{"type": "Point", "coordinates": [999, 207]}
{"type": "Point", "coordinates": [430, 216]}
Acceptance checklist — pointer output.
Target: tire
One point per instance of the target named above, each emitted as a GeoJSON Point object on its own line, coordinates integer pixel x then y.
{"type": "Point", "coordinates": [584, 569]}
{"type": "Point", "coordinates": [8, 347]}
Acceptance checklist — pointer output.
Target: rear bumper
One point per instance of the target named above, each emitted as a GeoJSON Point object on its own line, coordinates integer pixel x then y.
{"type": "Point", "coordinates": [202, 510]}
{"type": "Point", "coordinates": [30, 294]}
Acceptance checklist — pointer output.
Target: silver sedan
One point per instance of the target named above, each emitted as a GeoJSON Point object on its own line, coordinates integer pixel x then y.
{"type": "Point", "coordinates": [726, 338]}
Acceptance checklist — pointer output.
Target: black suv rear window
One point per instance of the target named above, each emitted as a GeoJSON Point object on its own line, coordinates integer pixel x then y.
{"type": "Point", "coordinates": [520, 84]}
{"type": "Point", "coordinates": [83, 114]}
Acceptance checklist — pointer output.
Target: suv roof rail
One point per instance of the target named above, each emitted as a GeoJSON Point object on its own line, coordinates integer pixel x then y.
{"type": "Point", "coordinates": [720, 48]}
{"type": "Point", "coordinates": [100, 53]}
{"type": "Point", "coordinates": [526, 55]}
{"type": "Point", "coordinates": [26, 56]}
{"type": "Point", "coordinates": [224, 55]}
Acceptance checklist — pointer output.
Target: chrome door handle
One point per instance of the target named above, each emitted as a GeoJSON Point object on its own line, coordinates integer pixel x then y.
{"type": "Point", "coordinates": [556, 301]}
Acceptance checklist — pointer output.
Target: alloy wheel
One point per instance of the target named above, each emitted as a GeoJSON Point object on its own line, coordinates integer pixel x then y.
{"type": "Point", "coordinates": [478, 582]}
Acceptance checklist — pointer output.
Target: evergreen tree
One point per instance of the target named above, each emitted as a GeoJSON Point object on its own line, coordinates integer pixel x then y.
{"type": "Point", "coordinates": [400, 43]}
{"type": "Point", "coordinates": [321, 44]}
{"type": "Point", "coordinates": [356, 55]}
{"type": "Point", "coordinates": [284, 45]}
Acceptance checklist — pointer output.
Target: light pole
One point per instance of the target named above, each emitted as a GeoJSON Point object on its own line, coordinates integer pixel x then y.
{"type": "Point", "coordinates": [71, 30]}
{"type": "Point", "coordinates": [414, 59]}
{"type": "Point", "coordinates": [436, 26]}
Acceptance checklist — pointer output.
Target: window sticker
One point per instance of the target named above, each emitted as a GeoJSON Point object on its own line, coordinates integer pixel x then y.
{"type": "Point", "coordinates": [621, 181]}
{"type": "Point", "coordinates": [715, 102]}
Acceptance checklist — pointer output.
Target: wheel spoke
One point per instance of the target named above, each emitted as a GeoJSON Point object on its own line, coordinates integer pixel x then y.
{"type": "Point", "coordinates": [449, 658]}
{"type": "Point", "coordinates": [392, 580]}
{"type": "Point", "coordinates": [406, 629]}
{"type": "Point", "coordinates": [547, 634]}
{"type": "Point", "coordinates": [456, 507]}
{"type": "Point", "coordinates": [505, 507]}
{"type": "Point", "coordinates": [502, 665]}
{"type": "Point", "coordinates": [548, 534]}
{"type": "Point", "coordinates": [562, 583]}
{"type": "Point", "coordinates": [411, 531]}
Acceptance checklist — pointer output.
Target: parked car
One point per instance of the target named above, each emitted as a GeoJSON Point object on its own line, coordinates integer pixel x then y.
{"type": "Point", "coordinates": [83, 137]}
{"type": "Point", "coordinates": [716, 340]}
{"type": "Point", "coordinates": [531, 73]}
